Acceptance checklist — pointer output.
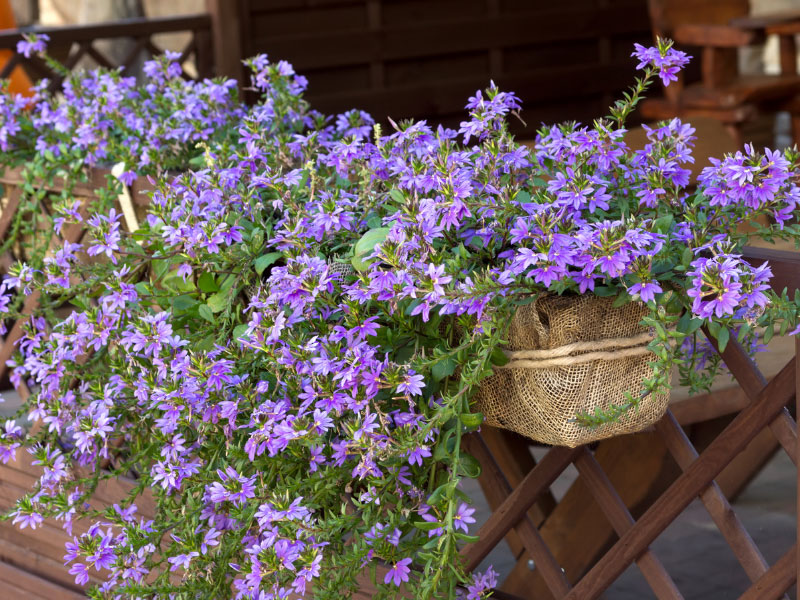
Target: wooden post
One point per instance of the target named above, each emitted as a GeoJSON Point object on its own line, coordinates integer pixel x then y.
{"type": "Point", "coordinates": [797, 448]}
{"type": "Point", "coordinates": [204, 53]}
{"type": "Point", "coordinates": [788, 54]}
{"type": "Point", "coordinates": [226, 34]}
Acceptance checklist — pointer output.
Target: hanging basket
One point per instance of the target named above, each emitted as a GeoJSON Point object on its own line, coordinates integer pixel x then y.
{"type": "Point", "coordinates": [570, 355]}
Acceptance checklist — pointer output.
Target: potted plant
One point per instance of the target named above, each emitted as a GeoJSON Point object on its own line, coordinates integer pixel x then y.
{"type": "Point", "coordinates": [288, 351]}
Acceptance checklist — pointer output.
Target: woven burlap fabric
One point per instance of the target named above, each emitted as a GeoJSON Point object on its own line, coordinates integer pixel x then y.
{"type": "Point", "coordinates": [340, 268]}
{"type": "Point", "coordinates": [541, 403]}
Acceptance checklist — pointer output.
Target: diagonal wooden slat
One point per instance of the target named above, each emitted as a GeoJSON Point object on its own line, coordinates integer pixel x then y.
{"type": "Point", "coordinates": [9, 210]}
{"type": "Point", "coordinates": [528, 534]}
{"type": "Point", "coordinates": [776, 581]}
{"type": "Point", "coordinates": [517, 504]}
{"type": "Point", "coordinates": [9, 66]}
{"type": "Point", "coordinates": [188, 50]}
{"type": "Point", "coordinates": [751, 380]}
{"type": "Point", "coordinates": [98, 57]}
{"type": "Point", "coordinates": [38, 65]}
{"type": "Point", "coordinates": [621, 520]}
{"type": "Point", "coordinates": [9, 343]}
{"type": "Point", "coordinates": [76, 55]}
{"type": "Point", "coordinates": [71, 233]}
{"type": "Point", "coordinates": [512, 454]}
{"type": "Point", "coordinates": [689, 485]}
{"type": "Point", "coordinates": [33, 586]}
{"type": "Point", "coordinates": [152, 48]}
{"type": "Point", "coordinates": [133, 54]}
{"type": "Point", "coordinates": [576, 530]}
{"type": "Point", "coordinates": [714, 501]}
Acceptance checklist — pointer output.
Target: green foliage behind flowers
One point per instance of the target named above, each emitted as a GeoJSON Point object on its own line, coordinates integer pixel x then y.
{"type": "Point", "coordinates": [286, 349]}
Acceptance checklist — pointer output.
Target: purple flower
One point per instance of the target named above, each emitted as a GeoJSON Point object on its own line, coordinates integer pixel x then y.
{"type": "Point", "coordinates": [463, 517]}
{"type": "Point", "coordinates": [398, 573]}
{"type": "Point", "coordinates": [128, 177]}
{"type": "Point", "coordinates": [81, 573]}
{"type": "Point", "coordinates": [416, 455]}
{"type": "Point", "coordinates": [182, 560]}
{"type": "Point", "coordinates": [664, 58]}
{"type": "Point", "coordinates": [232, 487]}
{"type": "Point", "coordinates": [32, 43]}
{"type": "Point", "coordinates": [645, 290]}
{"type": "Point", "coordinates": [27, 519]}
{"type": "Point", "coordinates": [412, 384]}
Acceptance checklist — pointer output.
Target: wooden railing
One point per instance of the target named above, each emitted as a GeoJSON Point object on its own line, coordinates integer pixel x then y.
{"type": "Point", "coordinates": [73, 43]}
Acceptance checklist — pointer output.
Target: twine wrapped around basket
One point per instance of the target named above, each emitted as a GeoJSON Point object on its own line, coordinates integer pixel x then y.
{"type": "Point", "coordinates": [571, 354]}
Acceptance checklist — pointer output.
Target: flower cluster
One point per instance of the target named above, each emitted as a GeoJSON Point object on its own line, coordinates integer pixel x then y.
{"type": "Point", "coordinates": [663, 57]}
{"type": "Point", "coordinates": [283, 354]}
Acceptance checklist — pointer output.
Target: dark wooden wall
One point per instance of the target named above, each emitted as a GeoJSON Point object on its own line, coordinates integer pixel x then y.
{"type": "Point", "coordinates": [424, 58]}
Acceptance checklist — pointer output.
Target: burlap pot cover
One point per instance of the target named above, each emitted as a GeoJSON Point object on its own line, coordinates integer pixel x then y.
{"type": "Point", "coordinates": [549, 380]}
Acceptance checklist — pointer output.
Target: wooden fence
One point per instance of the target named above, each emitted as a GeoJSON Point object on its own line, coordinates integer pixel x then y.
{"type": "Point", "coordinates": [417, 59]}
{"type": "Point", "coordinates": [423, 59]}
{"type": "Point", "coordinates": [72, 44]}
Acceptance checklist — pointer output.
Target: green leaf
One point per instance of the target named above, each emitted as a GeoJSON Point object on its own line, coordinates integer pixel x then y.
{"type": "Point", "coordinates": [205, 312]}
{"type": "Point", "coordinates": [207, 283]}
{"type": "Point", "coordinates": [469, 466]}
{"type": "Point", "coordinates": [662, 224]}
{"type": "Point", "coordinates": [160, 267]}
{"type": "Point", "coordinates": [183, 302]}
{"type": "Point", "coordinates": [206, 344]}
{"type": "Point", "coordinates": [79, 303]}
{"type": "Point", "coordinates": [694, 325]}
{"type": "Point", "coordinates": [443, 368]}
{"type": "Point", "coordinates": [683, 322]}
{"type": "Point", "coordinates": [262, 262]}
{"type": "Point", "coordinates": [218, 302]}
{"type": "Point", "coordinates": [440, 492]}
{"type": "Point", "coordinates": [723, 335]}
{"type": "Point", "coordinates": [472, 420]}
{"type": "Point", "coordinates": [397, 196]}
{"type": "Point", "coordinates": [498, 357]}
{"type": "Point", "coordinates": [198, 161]}
{"type": "Point", "coordinates": [522, 197]}
{"type": "Point", "coordinates": [239, 331]}
{"type": "Point", "coordinates": [686, 257]}
{"type": "Point", "coordinates": [427, 525]}
{"type": "Point", "coordinates": [442, 453]}
{"type": "Point", "coordinates": [365, 246]}
{"type": "Point", "coordinates": [604, 291]}
{"type": "Point", "coordinates": [623, 298]}
{"type": "Point", "coordinates": [227, 283]}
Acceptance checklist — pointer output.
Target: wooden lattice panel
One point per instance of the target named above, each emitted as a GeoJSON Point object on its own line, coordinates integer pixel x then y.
{"type": "Point", "coordinates": [76, 43]}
